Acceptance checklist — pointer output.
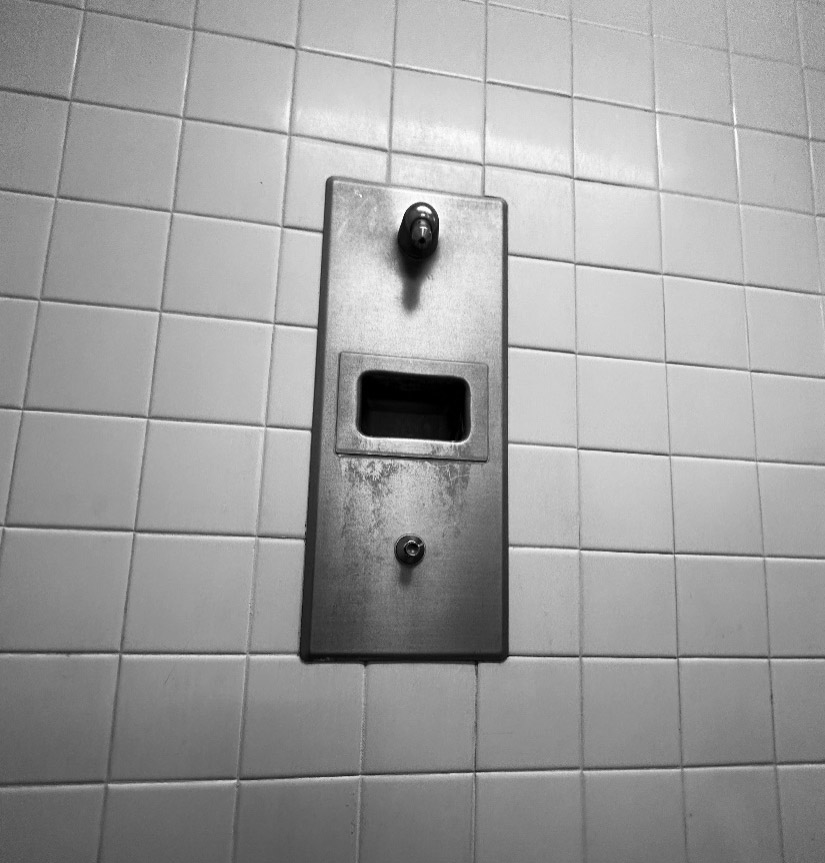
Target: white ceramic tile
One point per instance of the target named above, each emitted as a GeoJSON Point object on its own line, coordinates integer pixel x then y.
{"type": "Point", "coordinates": [528, 50]}
{"type": "Point", "coordinates": [310, 163]}
{"type": "Point", "coordinates": [57, 716]}
{"type": "Point", "coordinates": [634, 815]}
{"type": "Point", "coordinates": [793, 509]}
{"type": "Point", "coordinates": [799, 704]}
{"type": "Point", "coordinates": [50, 823]}
{"type": "Point", "coordinates": [732, 811]}
{"type": "Point", "coordinates": [790, 416]}
{"type": "Point", "coordinates": [279, 579]}
{"type": "Point", "coordinates": [317, 708]}
{"type": "Point", "coordinates": [619, 314]}
{"type": "Point", "coordinates": [528, 817]}
{"type": "Point", "coordinates": [363, 28]}
{"type": "Point", "coordinates": [627, 155]}
{"type": "Point", "coordinates": [812, 34]}
{"type": "Point", "coordinates": [615, 622]}
{"type": "Point", "coordinates": [76, 471]}
{"type": "Point", "coordinates": [543, 491]}
{"type": "Point", "coordinates": [701, 238]}
{"type": "Point", "coordinates": [710, 412]}
{"type": "Point", "coordinates": [241, 82]}
{"type": "Point", "coordinates": [189, 594]}
{"type": "Point", "coordinates": [177, 717]}
{"type": "Point", "coordinates": [766, 28]}
{"type": "Point", "coordinates": [217, 267]}
{"type": "Point", "coordinates": [622, 405]}
{"type": "Point", "coordinates": [705, 323]}
{"type": "Point", "coordinates": [343, 100]}
{"type": "Point", "coordinates": [305, 819]}
{"type": "Point", "coordinates": [697, 158]}
{"type": "Point", "coordinates": [255, 19]}
{"type": "Point", "coordinates": [526, 129]}
{"type": "Point", "coordinates": [31, 138]}
{"type": "Point", "coordinates": [541, 397]}
{"type": "Point", "coordinates": [38, 45]}
{"type": "Point", "coordinates": [25, 222]}
{"type": "Point", "coordinates": [796, 597]}
{"type": "Point", "coordinates": [425, 173]}
{"type": "Point", "coordinates": [437, 116]}
{"type": "Point", "coordinates": [612, 65]}
{"type": "Point", "coordinates": [132, 64]}
{"type": "Point", "coordinates": [108, 255]}
{"type": "Point", "coordinates": [721, 606]}
{"type": "Point", "coordinates": [726, 711]}
{"type": "Point", "coordinates": [818, 162]}
{"type": "Point", "coordinates": [700, 23]}
{"type": "Point", "coordinates": [229, 172]}
{"type": "Point", "coordinates": [285, 483]}
{"type": "Point", "coordinates": [768, 95]}
{"type": "Point", "coordinates": [617, 226]}
{"type": "Point", "coordinates": [802, 795]}
{"type": "Point", "coordinates": [299, 278]}
{"type": "Point", "coordinates": [631, 712]}
{"type": "Point", "coordinates": [627, 14]}
{"type": "Point", "coordinates": [419, 718]}
{"type": "Point", "coordinates": [542, 304]}
{"type": "Point", "coordinates": [292, 381]}
{"type": "Point", "coordinates": [180, 12]}
{"type": "Point", "coordinates": [394, 808]}
{"type": "Point", "coordinates": [200, 478]}
{"type": "Point", "coordinates": [87, 358]}
{"type": "Point", "coordinates": [625, 502]}
{"type": "Point", "coordinates": [454, 45]}
{"type": "Point", "coordinates": [539, 212]}
{"type": "Point", "coordinates": [716, 506]}
{"type": "Point", "coordinates": [691, 80]}
{"type": "Point", "coordinates": [17, 318]}
{"type": "Point", "coordinates": [63, 590]}
{"type": "Point", "coordinates": [207, 369]}
{"type": "Point", "coordinates": [815, 97]}
{"type": "Point", "coordinates": [774, 170]}
{"type": "Point", "coordinates": [120, 157]}
{"type": "Point", "coordinates": [183, 822]}
{"type": "Point", "coordinates": [9, 428]}
{"type": "Point", "coordinates": [528, 714]}
{"type": "Point", "coordinates": [543, 602]}
{"type": "Point", "coordinates": [780, 249]}
{"type": "Point", "coordinates": [786, 332]}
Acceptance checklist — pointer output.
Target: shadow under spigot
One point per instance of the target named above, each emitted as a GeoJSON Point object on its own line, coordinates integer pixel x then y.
{"type": "Point", "coordinates": [418, 234]}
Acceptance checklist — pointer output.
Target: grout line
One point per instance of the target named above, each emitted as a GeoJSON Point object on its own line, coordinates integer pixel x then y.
{"type": "Point", "coordinates": [262, 477]}
{"type": "Point", "coordinates": [756, 454]}
{"type": "Point", "coordinates": [794, 292]}
{"type": "Point", "coordinates": [316, 778]}
{"type": "Point", "coordinates": [580, 576]}
{"type": "Point", "coordinates": [392, 92]}
{"type": "Point", "coordinates": [145, 447]}
{"type": "Point", "coordinates": [359, 805]}
{"type": "Point", "coordinates": [677, 645]}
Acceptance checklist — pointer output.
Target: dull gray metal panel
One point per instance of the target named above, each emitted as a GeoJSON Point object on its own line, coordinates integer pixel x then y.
{"type": "Point", "coordinates": [430, 336]}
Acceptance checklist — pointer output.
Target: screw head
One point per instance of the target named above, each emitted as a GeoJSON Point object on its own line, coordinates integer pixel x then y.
{"type": "Point", "coordinates": [410, 549]}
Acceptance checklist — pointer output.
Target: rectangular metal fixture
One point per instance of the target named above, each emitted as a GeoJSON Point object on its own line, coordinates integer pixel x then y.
{"type": "Point", "coordinates": [406, 552]}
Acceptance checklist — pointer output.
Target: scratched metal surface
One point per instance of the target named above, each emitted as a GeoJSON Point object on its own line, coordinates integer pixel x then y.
{"type": "Point", "coordinates": [359, 601]}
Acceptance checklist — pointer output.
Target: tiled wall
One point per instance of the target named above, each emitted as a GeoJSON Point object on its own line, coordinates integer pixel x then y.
{"type": "Point", "coordinates": [664, 162]}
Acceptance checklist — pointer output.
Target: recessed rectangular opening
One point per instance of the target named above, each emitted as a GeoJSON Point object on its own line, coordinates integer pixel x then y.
{"type": "Point", "coordinates": [424, 407]}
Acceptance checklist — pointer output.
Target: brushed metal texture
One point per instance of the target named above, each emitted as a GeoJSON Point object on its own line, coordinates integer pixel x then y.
{"type": "Point", "coordinates": [359, 601]}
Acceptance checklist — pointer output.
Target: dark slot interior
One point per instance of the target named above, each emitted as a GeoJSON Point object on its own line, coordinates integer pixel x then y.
{"type": "Point", "coordinates": [425, 407]}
